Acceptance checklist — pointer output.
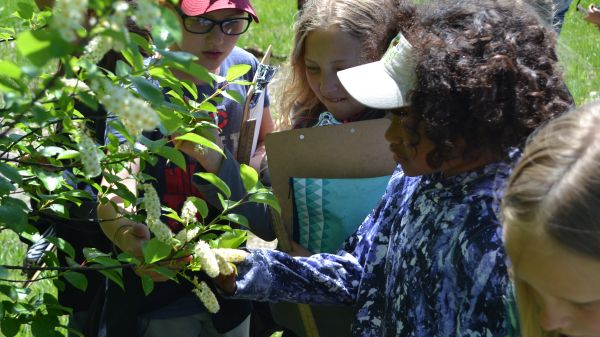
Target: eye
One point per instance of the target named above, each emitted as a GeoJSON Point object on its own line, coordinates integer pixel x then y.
{"type": "Point", "coordinates": [587, 305]}
{"type": "Point", "coordinates": [312, 69]}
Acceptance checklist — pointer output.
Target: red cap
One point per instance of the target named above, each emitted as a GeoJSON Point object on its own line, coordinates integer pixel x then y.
{"type": "Point", "coordinates": [201, 7]}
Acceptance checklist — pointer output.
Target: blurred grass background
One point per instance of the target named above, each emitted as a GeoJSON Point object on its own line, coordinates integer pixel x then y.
{"type": "Point", "coordinates": [579, 51]}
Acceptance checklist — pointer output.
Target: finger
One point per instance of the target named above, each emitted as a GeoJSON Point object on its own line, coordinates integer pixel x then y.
{"type": "Point", "coordinates": [140, 231]}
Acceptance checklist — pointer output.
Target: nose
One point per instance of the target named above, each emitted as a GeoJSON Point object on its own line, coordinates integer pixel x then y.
{"type": "Point", "coordinates": [555, 315]}
{"type": "Point", "coordinates": [329, 83]}
{"type": "Point", "coordinates": [215, 36]}
{"type": "Point", "coordinates": [393, 132]}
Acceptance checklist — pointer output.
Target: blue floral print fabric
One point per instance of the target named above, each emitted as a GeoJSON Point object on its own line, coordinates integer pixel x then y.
{"type": "Point", "coordinates": [428, 261]}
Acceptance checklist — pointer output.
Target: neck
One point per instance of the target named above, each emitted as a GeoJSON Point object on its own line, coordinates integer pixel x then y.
{"type": "Point", "coordinates": [456, 167]}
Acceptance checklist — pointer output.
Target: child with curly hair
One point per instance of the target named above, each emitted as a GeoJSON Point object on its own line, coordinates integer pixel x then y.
{"type": "Point", "coordinates": [466, 83]}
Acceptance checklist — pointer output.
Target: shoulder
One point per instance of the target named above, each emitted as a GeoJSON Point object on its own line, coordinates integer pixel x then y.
{"type": "Point", "coordinates": [241, 56]}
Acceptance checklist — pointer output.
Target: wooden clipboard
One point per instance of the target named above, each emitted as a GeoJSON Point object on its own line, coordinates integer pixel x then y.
{"type": "Point", "coordinates": [352, 150]}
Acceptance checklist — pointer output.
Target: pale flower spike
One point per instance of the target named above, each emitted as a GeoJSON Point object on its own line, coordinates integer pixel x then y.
{"type": "Point", "coordinates": [204, 255]}
{"type": "Point", "coordinates": [231, 255]}
{"type": "Point", "coordinates": [89, 156]}
{"type": "Point", "coordinates": [68, 15]}
{"type": "Point", "coordinates": [207, 297]}
{"type": "Point", "coordinates": [152, 202]}
{"type": "Point", "coordinates": [147, 13]}
{"type": "Point", "coordinates": [188, 211]}
{"type": "Point", "coordinates": [224, 267]}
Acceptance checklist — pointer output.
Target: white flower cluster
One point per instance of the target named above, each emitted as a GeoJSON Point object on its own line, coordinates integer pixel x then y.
{"type": "Point", "coordinates": [135, 114]}
{"type": "Point", "coordinates": [146, 13]}
{"type": "Point", "coordinates": [206, 296]}
{"type": "Point", "coordinates": [116, 22]}
{"type": "Point", "coordinates": [68, 15]}
{"type": "Point", "coordinates": [204, 255]}
{"type": "Point", "coordinates": [188, 211]}
{"type": "Point", "coordinates": [96, 49]}
{"type": "Point", "coordinates": [231, 255]}
{"type": "Point", "coordinates": [89, 156]}
{"type": "Point", "coordinates": [225, 267]}
{"type": "Point", "coordinates": [160, 230]}
{"type": "Point", "coordinates": [187, 235]}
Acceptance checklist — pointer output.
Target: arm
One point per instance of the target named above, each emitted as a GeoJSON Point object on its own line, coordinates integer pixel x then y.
{"type": "Point", "coordinates": [269, 275]}
{"type": "Point", "coordinates": [128, 235]}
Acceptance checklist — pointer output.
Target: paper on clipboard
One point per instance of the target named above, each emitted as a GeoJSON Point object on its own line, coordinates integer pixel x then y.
{"type": "Point", "coordinates": [352, 150]}
{"type": "Point", "coordinates": [253, 109]}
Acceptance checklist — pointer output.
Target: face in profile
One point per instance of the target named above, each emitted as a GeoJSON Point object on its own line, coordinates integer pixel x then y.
{"type": "Point", "coordinates": [213, 47]}
{"type": "Point", "coordinates": [325, 53]}
{"type": "Point", "coordinates": [564, 284]}
{"type": "Point", "coordinates": [408, 143]}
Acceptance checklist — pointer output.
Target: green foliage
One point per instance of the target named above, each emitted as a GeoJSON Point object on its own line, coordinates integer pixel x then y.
{"type": "Point", "coordinates": [49, 77]}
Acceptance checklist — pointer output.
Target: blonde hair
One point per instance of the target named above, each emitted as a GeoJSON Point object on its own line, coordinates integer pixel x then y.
{"type": "Point", "coordinates": [555, 190]}
{"type": "Point", "coordinates": [370, 21]}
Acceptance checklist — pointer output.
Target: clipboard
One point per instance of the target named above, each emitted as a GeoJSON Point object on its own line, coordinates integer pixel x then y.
{"type": "Point", "coordinates": [253, 109]}
{"type": "Point", "coordinates": [351, 150]}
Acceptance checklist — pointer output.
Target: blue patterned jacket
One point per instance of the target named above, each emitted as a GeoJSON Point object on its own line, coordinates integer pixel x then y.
{"type": "Point", "coordinates": [428, 262]}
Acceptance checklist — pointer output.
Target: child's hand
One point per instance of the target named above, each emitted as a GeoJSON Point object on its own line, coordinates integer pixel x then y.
{"type": "Point", "coordinates": [226, 283]}
{"type": "Point", "coordinates": [298, 250]}
{"type": "Point", "coordinates": [131, 237]}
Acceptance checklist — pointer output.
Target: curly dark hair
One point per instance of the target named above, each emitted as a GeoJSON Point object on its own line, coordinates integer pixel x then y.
{"type": "Point", "coordinates": [487, 74]}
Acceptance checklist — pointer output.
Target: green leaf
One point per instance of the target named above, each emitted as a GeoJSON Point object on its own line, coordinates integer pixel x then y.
{"type": "Point", "coordinates": [191, 88]}
{"type": "Point", "coordinates": [25, 10]}
{"type": "Point", "coordinates": [78, 280]}
{"type": "Point", "coordinates": [124, 192]}
{"type": "Point", "coordinates": [6, 186]}
{"type": "Point", "coordinates": [266, 198]}
{"type": "Point", "coordinates": [201, 206]}
{"type": "Point", "coordinates": [44, 325]}
{"type": "Point", "coordinates": [238, 219]}
{"type": "Point", "coordinates": [232, 239]}
{"type": "Point", "coordinates": [194, 138]}
{"type": "Point", "coordinates": [147, 284]}
{"type": "Point", "coordinates": [122, 69]}
{"type": "Point", "coordinates": [166, 30]}
{"type": "Point", "coordinates": [10, 326]}
{"type": "Point", "coordinates": [216, 181]}
{"type": "Point", "coordinates": [208, 106]}
{"type": "Point", "coordinates": [87, 99]}
{"type": "Point", "coordinates": [41, 46]}
{"type": "Point", "coordinates": [63, 245]}
{"type": "Point", "coordinates": [92, 253]}
{"type": "Point", "coordinates": [233, 95]}
{"type": "Point", "coordinates": [140, 41]}
{"type": "Point", "coordinates": [68, 154]}
{"type": "Point", "coordinates": [169, 119]}
{"type": "Point", "coordinates": [147, 90]}
{"type": "Point", "coordinates": [10, 69]}
{"type": "Point", "coordinates": [13, 216]}
{"type": "Point", "coordinates": [134, 58]}
{"type": "Point", "coordinates": [113, 276]}
{"type": "Point", "coordinates": [155, 250]}
{"type": "Point", "coordinates": [237, 71]}
{"type": "Point", "coordinates": [51, 151]}
{"type": "Point", "coordinates": [50, 180]}
{"type": "Point", "coordinates": [10, 173]}
{"type": "Point", "coordinates": [173, 155]}
{"type": "Point", "coordinates": [249, 176]}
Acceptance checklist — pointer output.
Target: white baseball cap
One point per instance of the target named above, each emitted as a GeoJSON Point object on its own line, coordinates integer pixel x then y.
{"type": "Point", "coordinates": [386, 83]}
